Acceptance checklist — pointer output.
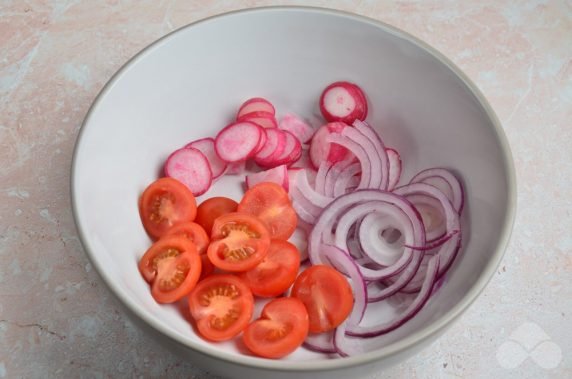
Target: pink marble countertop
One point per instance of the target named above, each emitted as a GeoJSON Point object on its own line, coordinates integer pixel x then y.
{"type": "Point", "coordinates": [58, 320]}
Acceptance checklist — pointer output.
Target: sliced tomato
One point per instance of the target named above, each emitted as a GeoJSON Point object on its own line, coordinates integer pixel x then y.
{"type": "Point", "coordinates": [239, 242]}
{"type": "Point", "coordinates": [207, 268]}
{"type": "Point", "coordinates": [271, 204]}
{"type": "Point", "coordinates": [193, 232]}
{"type": "Point", "coordinates": [327, 296]}
{"type": "Point", "coordinates": [165, 203]}
{"type": "Point", "coordinates": [281, 328]}
{"type": "Point", "coordinates": [221, 306]}
{"type": "Point", "coordinates": [276, 273]}
{"type": "Point", "coordinates": [172, 266]}
{"type": "Point", "coordinates": [210, 209]}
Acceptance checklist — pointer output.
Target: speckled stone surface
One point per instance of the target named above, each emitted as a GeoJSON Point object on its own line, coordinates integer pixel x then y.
{"type": "Point", "coordinates": [57, 318]}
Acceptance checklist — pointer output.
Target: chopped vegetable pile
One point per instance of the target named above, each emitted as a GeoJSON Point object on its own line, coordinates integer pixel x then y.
{"type": "Point", "coordinates": [324, 230]}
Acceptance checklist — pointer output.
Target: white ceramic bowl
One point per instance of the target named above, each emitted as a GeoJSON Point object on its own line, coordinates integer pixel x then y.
{"type": "Point", "coordinates": [188, 85]}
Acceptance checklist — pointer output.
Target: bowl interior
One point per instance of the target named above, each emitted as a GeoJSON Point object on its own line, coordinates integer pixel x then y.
{"type": "Point", "coordinates": [189, 85]}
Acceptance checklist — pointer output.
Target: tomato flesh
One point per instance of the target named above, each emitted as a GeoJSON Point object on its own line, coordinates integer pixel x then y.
{"type": "Point", "coordinates": [270, 203]}
{"type": "Point", "coordinates": [172, 266]}
{"type": "Point", "coordinates": [277, 271]}
{"type": "Point", "coordinates": [327, 295]}
{"type": "Point", "coordinates": [222, 306]}
{"type": "Point", "coordinates": [211, 209]}
{"type": "Point", "coordinates": [239, 242]}
{"type": "Point", "coordinates": [282, 327]}
{"type": "Point", "coordinates": [165, 203]}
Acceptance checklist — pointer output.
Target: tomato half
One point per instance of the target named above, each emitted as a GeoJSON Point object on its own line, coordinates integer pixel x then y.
{"type": "Point", "coordinates": [271, 204]}
{"type": "Point", "coordinates": [281, 328]}
{"type": "Point", "coordinates": [327, 296]}
{"type": "Point", "coordinates": [276, 273]}
{"type": "Point", "coordinates": [207, 267]}
{"type": "Point", "coordinates": [239, 242]}
{"type": "Point", "coordinates": [210, 209]}
{"type": "Point", "coordinates": [193, 232]}
{"type": "Point", "coordinates": [166, 202]}
{"type": "Point", "coordinates": [172, 266]}
{"type": "Point", "coordinates": [222, 306]}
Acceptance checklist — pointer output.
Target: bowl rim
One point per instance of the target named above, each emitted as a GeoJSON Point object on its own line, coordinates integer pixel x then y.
{"type": "Point", "coordinates": [408, 343]}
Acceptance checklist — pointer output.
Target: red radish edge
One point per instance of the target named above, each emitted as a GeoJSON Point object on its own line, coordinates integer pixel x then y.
{"type": "Point", "coordinates": [191, 167]}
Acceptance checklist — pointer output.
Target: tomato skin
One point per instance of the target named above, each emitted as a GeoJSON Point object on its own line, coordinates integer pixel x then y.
{"type": "Point", "coordinates": [282, 327]}
{"type": "Point", "coordinates": [165, 203]}
{"type": "Point", "coordinates": [172, 266]}
{"type": "Point", "coordinates": [327, 295]}
{"type": "Point", "coordinates": [193, 232]}
{"type": "Point", "coordinates": [222, 306]}
{"type": "Point", "coordinates": [239, 242]}
{"type": "Point", "coordinates": [277, 271]}
{"type": "Point", "coordinates": [271, 204]}
{"type": "Point", "coordinates": [210, 209]}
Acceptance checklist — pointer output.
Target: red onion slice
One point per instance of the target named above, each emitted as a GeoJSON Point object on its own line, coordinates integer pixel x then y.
{"type": "Point", "coordinates": [446, 181]}
{"type": "Point", "coordinates": [432, 214]}
{"type": "Point", "coordinates": [320, 186]}
{"type": "Point", "coordinates": [372, 155]}
{"type": "Point", "coordinates": [321, 342]}
{"type": "Point", "coordinates": [452, 223]}
{"type": "Point", "coordinates": [394, 168]}
{"type": "Point", "coordinates": [370, 133]}
{"type": "Point", "coordinates": [386, 327]}
{"type": "Point", "coordinates": [345, 178]}
{"type": "Point", "coordinates": [374, 243]}
{"type": "Point", "coordinates": [322, 231]}
{"type": "Point", "coordinates": [359, 152]}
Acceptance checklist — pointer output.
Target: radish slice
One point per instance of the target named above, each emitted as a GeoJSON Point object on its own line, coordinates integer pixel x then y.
{"type": "Point", "coordinates": [298, 127]}
{"type": "Point", "coordinates": [256, 104]}
{"type": "Point", "coordinates": [275, 141]}
{"type": "Point", "coordinates": [263, 119]}
{"type": "Point", "coordinates": [321, 150]}
{"type": "Point", "coordinates": [207, 147]}
{"type": "Point", "coordinates": [262, 142]}
{"type": "Point", "coordinates": [394, 168]}
{"type": "Point", "coordinates": [238, 141]}
{"type": "Point", "coordinates": [290, 152]}
{"type": "Point", "coordinates": [343, 101]}
{"type": "Point", "coordinates": [190, 167]}
{"type": "Point", "coordinates": [278, 175]}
